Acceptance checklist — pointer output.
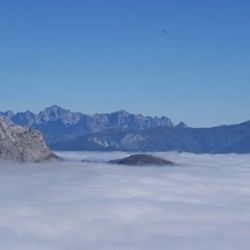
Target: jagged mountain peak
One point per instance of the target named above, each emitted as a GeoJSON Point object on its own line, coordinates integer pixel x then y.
{"type": "Point", "coordinates": [181, 125]}
{"type": "Point", "coordinates": [27, 112]}
{"type": "Point", "coordinates": [122, 112]}
{"type": "Point", "coordinates": [54, 109]}
{"type": "Point", "coordinates": [54, 113]}
{"type": "Point", "coordinates": [57, 123]}
{"type": "Point", "coordinates": [7, 115]}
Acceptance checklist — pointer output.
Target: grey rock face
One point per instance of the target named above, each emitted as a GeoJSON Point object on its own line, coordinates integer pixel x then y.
{"type": "Point", "coordinates": [21, 144]}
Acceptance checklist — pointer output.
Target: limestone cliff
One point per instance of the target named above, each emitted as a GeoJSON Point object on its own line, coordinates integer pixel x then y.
{"type": "Point", "coordinates": [21, 144]}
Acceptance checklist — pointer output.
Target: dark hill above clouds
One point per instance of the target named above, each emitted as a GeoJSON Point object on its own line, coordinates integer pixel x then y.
{"type": "Point", "coordinates": [142, 160]}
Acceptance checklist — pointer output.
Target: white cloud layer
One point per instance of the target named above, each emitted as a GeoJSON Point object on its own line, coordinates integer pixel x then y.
{"type": "Point", "coordinates": [203, 203]}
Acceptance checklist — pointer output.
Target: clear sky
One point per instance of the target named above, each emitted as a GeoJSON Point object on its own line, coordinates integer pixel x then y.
{"type": "Point", "coordinates": [188, 60]}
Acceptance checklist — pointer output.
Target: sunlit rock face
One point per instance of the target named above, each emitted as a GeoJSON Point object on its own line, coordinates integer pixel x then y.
{"type": "Point", "coordinates": [21, 144]}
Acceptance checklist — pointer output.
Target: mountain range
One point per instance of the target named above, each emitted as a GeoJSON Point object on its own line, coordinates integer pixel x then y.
{"type": "Point", "coordinates": [58, 124]}
{"type": "Point", "coordinates": [66, 130]}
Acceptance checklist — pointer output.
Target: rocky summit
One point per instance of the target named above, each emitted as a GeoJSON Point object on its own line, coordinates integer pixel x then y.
{"type": "Point", "coordinates": [142, 160]}
{"type": "Point", "coordinates": [58, 124]}
{"type": "Point", "coordinates": [22, 144]}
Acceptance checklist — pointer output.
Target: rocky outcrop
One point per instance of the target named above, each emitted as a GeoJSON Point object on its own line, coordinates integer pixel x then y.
{"type": "Point", "coordinates": [22, 145]}
{"type": "Point", "coordinates": [142, 160]}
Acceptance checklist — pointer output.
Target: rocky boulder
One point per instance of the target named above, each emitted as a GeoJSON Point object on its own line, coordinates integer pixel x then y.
{"type": "Point", "coordinates": [22, 144]}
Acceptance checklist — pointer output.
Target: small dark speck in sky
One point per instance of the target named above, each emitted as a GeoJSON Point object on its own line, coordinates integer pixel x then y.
{"type": "Point", "coordinates": [164, 31]}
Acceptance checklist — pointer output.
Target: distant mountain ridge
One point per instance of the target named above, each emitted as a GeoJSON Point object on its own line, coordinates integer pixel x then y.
{"type": "Point", "coordinates": [222, 139]}
{"type": "Point", "coordinates": [58, 124]}
{"type": "Point", "coordinates": [66, 130]}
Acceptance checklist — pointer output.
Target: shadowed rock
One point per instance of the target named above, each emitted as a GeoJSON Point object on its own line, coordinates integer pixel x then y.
{"type": "Point", "coordinates": [142, 160]}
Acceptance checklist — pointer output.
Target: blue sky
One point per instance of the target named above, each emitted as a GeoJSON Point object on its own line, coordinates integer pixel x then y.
{"type": "Point", "coordinates": [188, 60]}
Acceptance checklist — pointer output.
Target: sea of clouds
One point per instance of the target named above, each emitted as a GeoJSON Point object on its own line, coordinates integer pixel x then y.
{"type": "Point", "coordinates": [203, 203]}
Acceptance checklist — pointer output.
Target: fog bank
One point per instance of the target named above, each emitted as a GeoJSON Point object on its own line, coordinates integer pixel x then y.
{"type": "Point", "coordinates": [203, 203]}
